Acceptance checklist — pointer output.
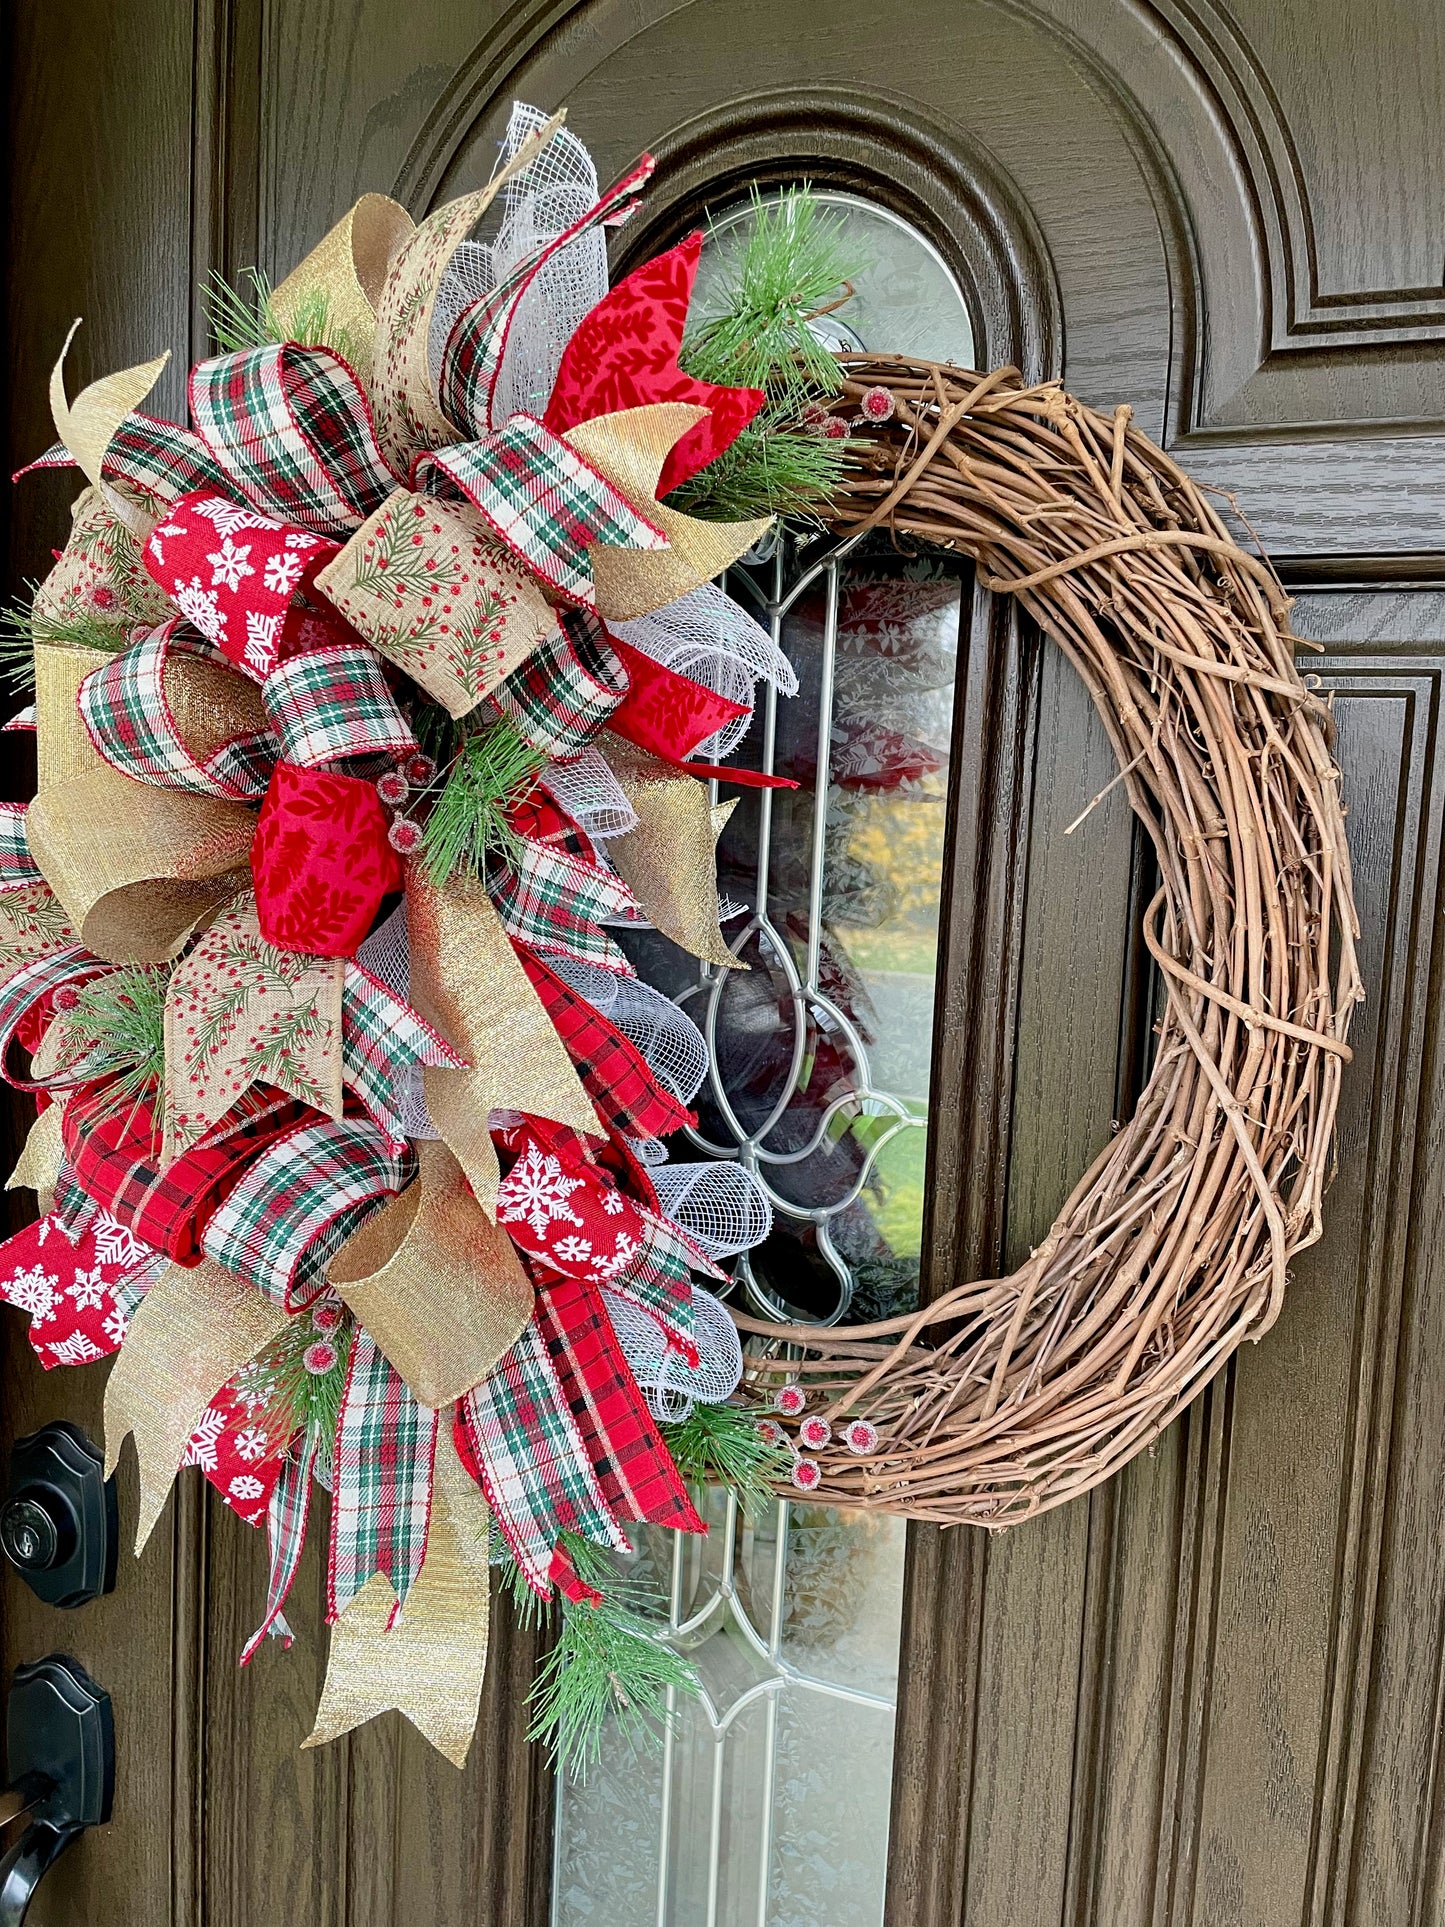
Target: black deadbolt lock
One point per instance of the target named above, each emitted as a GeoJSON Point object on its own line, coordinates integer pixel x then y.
{"type": "Point", "coordinates": [58, 1520]}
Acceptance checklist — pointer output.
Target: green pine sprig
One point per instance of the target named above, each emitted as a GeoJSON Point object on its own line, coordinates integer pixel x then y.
{"type": "Point", "coordinates": [607, 1667]}
{"type": "Point", "coordinates": [792, 268]}
{"type": "Point", "coordinates": [291, 1399]}
{"type": "Point", "coordinates": [246, 316]}
{"type": "Point", "coordinates": [724, 1445]}
{"type": "Point", "coordinates": [118, 1024]}
{"type": "Point", "coordinates": [493, 768]}
{"type": "Point", "coordinates": [793, 265]}
{"type": "Point", "coordinates": [21, 628]}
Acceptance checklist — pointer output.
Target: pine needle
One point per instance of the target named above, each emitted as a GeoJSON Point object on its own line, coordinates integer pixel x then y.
{"type": "Point", "coordinates": [607, 1670]}
{"type": "Point", "coordinates": [792, 266]}
{"type": "Point", "coordinates": [289, 1397]}
{"type": "Point", "coordinates": [493, 769]}
{"type": "Point", "coordinates": [723, 1445]}
{"type": "Point", "coordinates": [774, 467]}
{"type": "Point", "coordinates": [245, 317]}
{"type": "Point", "coordinates": [118, 1024]}
{"type": "Point", "coordinates": [21, 628]}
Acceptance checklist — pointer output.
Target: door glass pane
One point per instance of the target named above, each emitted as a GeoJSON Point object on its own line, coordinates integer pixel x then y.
{"type": "Point", "coordinates": [768, 1803]}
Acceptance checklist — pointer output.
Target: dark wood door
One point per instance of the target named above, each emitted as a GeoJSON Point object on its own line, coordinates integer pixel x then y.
{"type": "Point", "coordinates": [1209, 1696]}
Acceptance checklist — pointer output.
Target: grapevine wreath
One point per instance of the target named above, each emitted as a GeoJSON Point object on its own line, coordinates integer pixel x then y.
{"type": "Point", "coordinates": [371, 711]}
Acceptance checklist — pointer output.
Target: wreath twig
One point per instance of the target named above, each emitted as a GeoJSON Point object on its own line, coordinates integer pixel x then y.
{"type": "Point", "coordinates": [1174, 1246]}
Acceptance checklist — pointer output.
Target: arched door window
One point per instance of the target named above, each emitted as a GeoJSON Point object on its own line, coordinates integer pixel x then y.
{"type": "Point", "coordinates": [768, 1803]}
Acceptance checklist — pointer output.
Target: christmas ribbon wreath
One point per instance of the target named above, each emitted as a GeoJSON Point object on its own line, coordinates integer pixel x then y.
{"type": "Point", "coordinates": [305, 935]}
{"type": "Point", "coordinates": [298, 933]}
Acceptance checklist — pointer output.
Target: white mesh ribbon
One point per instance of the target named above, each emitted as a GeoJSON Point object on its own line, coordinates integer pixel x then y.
{"type": "Point", "coordinates": [721, 1206]}
{"type": "Point", "coordinates": [704, 635]}
{"type": "Point", "coordinates": [670, 1386]}
{"type": "Point", "coordinates": [590, 794]}
{"type": "Point", "coordinates": [386, 953]}
{"type": "Point", "coordinates": [542, 202]}
{"type": "Point", "coordinates": [671, 1042]}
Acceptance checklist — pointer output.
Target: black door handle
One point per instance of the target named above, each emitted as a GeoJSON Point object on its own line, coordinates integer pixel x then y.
{"type": "Point", "coordinates": [60, 1761]}
{"type": "Point", "coordinates": [26, 1864]}
{"type": "Point", "coordinates": [58, 1518]}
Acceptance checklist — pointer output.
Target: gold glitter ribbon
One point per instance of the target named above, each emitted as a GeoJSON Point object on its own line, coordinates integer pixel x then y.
{"type": "Point", "coordinates": [38, 1167]}
{"type": "Point", "coordinates": [670, 859]}
{"type": "Point", "coordinates": [466, 981]}
{"type": "Point", "coordinates": [438, 1286]}
{"type": "Point", "coordinates": [194, 1329]}
{"type": "Point", "coordinates": [63, 749]}
{"type": "Point", "coordinates": [87, 425]}
{"type": "Point", "coordinates": [629, 448]}
{"type": "Point", "coordinates": [138, 869]}
{"type": "Point", "coordinates": [347, 271]}
{"type": "Point", "coordinates": [429, 1666]}
{"type": "Point", "coordinates": [210, 704]}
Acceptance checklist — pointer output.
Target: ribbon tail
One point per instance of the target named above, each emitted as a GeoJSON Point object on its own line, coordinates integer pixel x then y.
{"type": "Point", "coordinates": [428, 1664]}
{"type": "Point", "coordinates": [193, 1330]}
{"type": "Point", "coordinates": [286, 1530]}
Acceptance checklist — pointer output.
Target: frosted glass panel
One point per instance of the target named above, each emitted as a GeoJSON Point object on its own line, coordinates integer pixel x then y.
{"type": "Point", "coordinates": [768, 1803]}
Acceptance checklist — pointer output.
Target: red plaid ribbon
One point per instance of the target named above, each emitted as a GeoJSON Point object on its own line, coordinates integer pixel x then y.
{"type": "Point", "coordinates": [566, 689]}
{"type": "Point", "coordinates": [633, 1466]}
{"type": "Point", "coordinates": [298, 1203]}
{"type": "Point", "coordinates": [543, 501]}
{"type": "Point", "coordinates": [332, 703]}
{"type": "Point", "coordinates": [472, 358]}
{"type": "Point", "coordinates": [112, 1137]}
{"type": "Point", "coordinates": [27, 1002]}
{"type": "Point", "coordinates": [286, 1517]}
{"type": "Point", "coordinates": [161, 460]}
{"type": "Point", "coordinates": [18, 868]}
{"type": "Point", "coordinates": [518, 1439]}
{"type": "Point", "coordinates": [616, 1074]}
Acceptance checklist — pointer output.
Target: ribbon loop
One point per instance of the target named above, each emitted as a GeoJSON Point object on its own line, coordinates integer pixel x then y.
{"type": "Point", "coordinates": [292, 429]}
{"type": "Point", "coordinates": [333, 703]}
{"type": "Point", "coordinates": [296, 1205]}
{"type": "Point", "coordinates": [237, 576]}
{"type": "Point", "coordinates": [544, 502]}
{"type": "Point", "coordinates": [166, 712]}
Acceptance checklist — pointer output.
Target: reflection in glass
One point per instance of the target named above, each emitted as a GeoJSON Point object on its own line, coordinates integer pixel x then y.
{"type": "Point", "coordinates": [768, 1804]}
{"type": "Point", "coordinates": [769, 1801]}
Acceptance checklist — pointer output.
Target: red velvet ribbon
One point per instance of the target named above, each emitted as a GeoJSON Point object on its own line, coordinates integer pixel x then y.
{"type": "Point", "coordinates": [624, 355]}
{"type": "Point", "coordinates": [668, 715]}
{"type": "Point", "coordinates": [321, 861]}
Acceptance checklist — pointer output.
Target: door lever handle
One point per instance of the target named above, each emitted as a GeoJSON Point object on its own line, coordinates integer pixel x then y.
{"type": "Point", "coordinates": [26, 1865]}
{"type": "Point", "coordinates": [60, 1762]}
{"type": "Point", "coordinates": [22, 1795]}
